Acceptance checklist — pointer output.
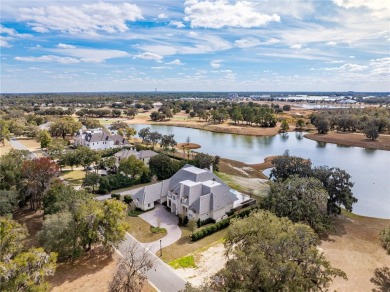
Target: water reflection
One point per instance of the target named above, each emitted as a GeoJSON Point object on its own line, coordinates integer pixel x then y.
{"type": "Point", "coordinates": [369, 169]}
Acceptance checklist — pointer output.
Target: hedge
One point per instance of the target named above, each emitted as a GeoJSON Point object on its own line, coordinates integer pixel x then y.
{"type": "Point", "coordinates": [116, 196]}
{"type": "Point", "coordinates": [218, 226]}
{"type": "Point", "coordinates": [127, 199]}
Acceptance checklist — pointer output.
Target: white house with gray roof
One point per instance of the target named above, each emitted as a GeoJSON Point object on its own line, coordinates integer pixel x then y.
{"type": "Point", "coordinates": [192, 192]}
{"type": "Point", "coordinates": [99, 139]}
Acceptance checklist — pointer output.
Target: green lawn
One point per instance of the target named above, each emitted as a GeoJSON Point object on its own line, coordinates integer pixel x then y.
{"type": "Point", "coordinates": [74, 177]}
{"type": "Point", "coordinates": [226, 178]}
{"type": "Point", "coordinates": [184, 262]}
{"type": "Point", "coordinates": [140, 229]}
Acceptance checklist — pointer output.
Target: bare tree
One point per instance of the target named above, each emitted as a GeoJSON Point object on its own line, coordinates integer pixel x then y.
{"type": "Point", "coordinates": [130, 275]}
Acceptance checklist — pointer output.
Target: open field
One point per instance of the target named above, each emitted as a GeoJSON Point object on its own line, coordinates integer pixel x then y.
{"type": "Point", "coordinates": [74, 177]}
{"type": "Point", "coordinates": [352, 139]}
{"type": "Point", "coordinates": [6, 148]}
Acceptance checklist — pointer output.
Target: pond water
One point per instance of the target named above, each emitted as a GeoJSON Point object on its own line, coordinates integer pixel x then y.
{"type": "Point", "coordinates": [369, 169]}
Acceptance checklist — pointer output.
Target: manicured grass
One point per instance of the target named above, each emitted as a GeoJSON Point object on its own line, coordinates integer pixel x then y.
{"type": "Point", "coordinates": [184, 246]}
{"type": "Point", "coordinates": [229, 181]}
{"type": "Point", "coordinates": [140, 229]}
{"type": "Point", "coordinates": [74, 177]}
{"type": "Point", "coordinates": [184, 262]}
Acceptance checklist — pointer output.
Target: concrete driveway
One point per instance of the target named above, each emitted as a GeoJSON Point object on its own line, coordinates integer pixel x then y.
{"type": "Point", "coordinates": [168, 221]}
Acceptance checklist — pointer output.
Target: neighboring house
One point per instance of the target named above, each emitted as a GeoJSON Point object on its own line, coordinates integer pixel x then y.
{"type": "Point", "coordinates": [45, 126]}
{"type": "Point", "coordinates": [143, 155]}
{"type": "Point", "coordinates": [192, 192]}
{"type": "Point", "coordinates": [99, 139]}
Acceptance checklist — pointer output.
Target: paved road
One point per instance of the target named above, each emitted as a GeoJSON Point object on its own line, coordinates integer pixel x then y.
{"type": "Point", "coordinates": [19, 146]}
{"type": "Point", "coordinates": [162, 276]}
{"type": "Point", "coordinates": [168, 221]}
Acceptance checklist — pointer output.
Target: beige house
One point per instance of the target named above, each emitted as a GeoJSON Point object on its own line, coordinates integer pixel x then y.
{"type": "Point", "coordinates": [143, 155]}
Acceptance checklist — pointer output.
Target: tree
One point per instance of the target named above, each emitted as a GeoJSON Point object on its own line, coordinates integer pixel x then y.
{"type": "Point", "coordinates": [267, 253]}
{"type": "Point", "coordinates": [90, 123]}
{"type": "Point", "coordinates": [4, 131]}
{"type": "Point", "coordinates": [22, 270]}
{"type": "Point", "coordinates": [203, 160]}
{"type": "Point", "coordinates": [286, 165]}
{"type": "Point", "coordinates": [339, 187]}
{"type": "Point", "coordinates": [8, 201]}
{"type": "Point", "coordinates": [131, 112]}
{"type": "Point", "coordinates": [192, 225]}
{"type": "Point", "coordinates": [168, 141]}
{"type": "Point", "coordinates": [64, 126]}
{"type": "Point", "coordinates": [86, 156]}
{"type": "Point", "coordinates": [92, 179]}
{"type": "Point", "coordinates": [163, 166]}
{"type": "Point", "coordinates": [130, 275]}
{"type": "Point", "coordinates": [154, 138]}
{"type": "Point", "coordinates": [11, 168]}
{"type": "Point", "coordinates": [38, 173]}
{"type": "Point", "coordinates": [284, 126]}
{"type": "Point", "coordinates": [116, 113]}
{"type": "Point", "coordinates": [143, 133]}
{"type": "Point", "coordinates": [132, 166]}
{"type": "Point", "coordinates": [286, 107]}
{"type": "Point", "coordinates": [300, 124]}
{"type": "Point", "coordinates": [322, 125]}
{"type": "Point", "coordinates": [44, 138]}
{"type": "Point", "coordinates": [371, 131]}
{"type": "Point", "coordinates": [113, 226]}
{"type": "Point", "coordinates": [384, 236]}
{"type": "Point", "coordinates": [302, 200]}
{"type": "Point", "coordinates": [130, 132]}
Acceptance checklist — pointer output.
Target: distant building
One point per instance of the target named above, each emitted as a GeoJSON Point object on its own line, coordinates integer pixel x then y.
{"type": "Point", "coordinates": [99, 139]}
{"type": "Point", "coordinates": [143, 155]}
{"type": "Point", "coordinates": [232, 95]}
{"type": "Point", "coordinates": [192, 192]}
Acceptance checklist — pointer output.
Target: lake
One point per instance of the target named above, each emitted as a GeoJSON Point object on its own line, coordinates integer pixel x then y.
{"type": "Point", "coordinates": [369, 169]}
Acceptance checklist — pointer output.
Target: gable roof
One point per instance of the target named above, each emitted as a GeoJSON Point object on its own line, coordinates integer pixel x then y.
{"type": "Point", "coordinates": [151, 193]}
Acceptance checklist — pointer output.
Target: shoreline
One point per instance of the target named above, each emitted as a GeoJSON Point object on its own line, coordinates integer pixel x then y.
{"type": "Point", "coordinates": [352, 140]}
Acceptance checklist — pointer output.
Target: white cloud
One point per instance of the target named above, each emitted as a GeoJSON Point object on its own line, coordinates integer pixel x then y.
{"type": "Point", "coordinates": [91, 55]}
{"type": "Point", "coordinates": [331, 43]}
{"type": "Point", "coordinates": [4, 42]}
{"type": "Point", "coordinates": [162, 16]}
{"type": "Point", "coordinates": [349, 67]}
{"type": "Point", "coordinates": [175, 62]}
{"type": "Point", "coordinates": [86, 18]}
{"type": "Point", "coordinates": [149, 56]}
{"type": "Point", "coordinates": [296, 46]}
{"type": "Point", "coordinates": [178, 24]}
{"type": "Point", "coordinates": [221, 13]}
{"type": "Point", "coordinates": [370, 4]}
{"type": "Point", "coordinates": [216, 63]}
{"type": "Point", "coordinates": [49, 58]}
{"type": "Point", "coordinates": [161, 67]}
{"type": "Point", "coordinates": [352, 57]}
{"type": "Point", "coordinates": [247, 42]}
{"type": "Point", "coordinates": [65, 46]}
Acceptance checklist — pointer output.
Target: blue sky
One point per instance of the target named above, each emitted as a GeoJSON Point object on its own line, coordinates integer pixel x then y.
{"type": "Point", "coordinates": [195, 45]}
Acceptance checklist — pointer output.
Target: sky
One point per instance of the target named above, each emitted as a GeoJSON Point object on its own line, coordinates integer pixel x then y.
{"type": "Point", "coordinates": [195, 45]}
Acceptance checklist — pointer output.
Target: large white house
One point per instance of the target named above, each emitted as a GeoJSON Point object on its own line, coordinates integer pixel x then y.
{"type": "Point", "coordinates": [192, 192]}
{"type": "Point", "coordinates": [99, 139]}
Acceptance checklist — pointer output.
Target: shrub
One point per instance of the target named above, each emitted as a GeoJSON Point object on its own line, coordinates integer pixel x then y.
{"type": "Point", "coordinates": [384, 236]}
{"type": "Point", "coordinates": [116, 196]}
{"type": "Point", "coordinates": [134, 213]}
{"type": "Point", "coordinates": [286, 107]}
{"type": "Point", "coordinates": [157, 229]}
{"type": "Point", "coordinates": [127, 199]}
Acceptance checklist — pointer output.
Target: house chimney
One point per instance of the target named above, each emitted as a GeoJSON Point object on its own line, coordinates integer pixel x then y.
{"type": "Point", "coordinates": [211, 168]}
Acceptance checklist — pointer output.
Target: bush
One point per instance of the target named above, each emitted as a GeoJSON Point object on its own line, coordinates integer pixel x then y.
{"type": "Point", "coordinates": [114, 182]}
{"type": "Point", "coordinates": [157, 229]}
{"type": "Point", "coordinates": [134, 213]}
{"type": "Point", "coordinates": [116, 196]}
{"type": "Point", "coordinates": [384, 236]}
{"type": "Point", "coordinates": [205, 222]}
{"type": "Point", "coordinates": [210, 229]}
{"type": "Point", "coordinates": [286, 107]}
{"type": "Point", "coordinates": [127, 199]}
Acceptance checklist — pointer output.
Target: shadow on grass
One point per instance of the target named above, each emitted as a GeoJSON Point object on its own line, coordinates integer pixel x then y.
{"type": "Point", "coordinates": [337, 228]}
{"type": "Point", "coordinates": [33, 221]}
{"type": "Point", "coordinates": [90, 263]}
{"type": "Point", "coordinates": [381, 279]}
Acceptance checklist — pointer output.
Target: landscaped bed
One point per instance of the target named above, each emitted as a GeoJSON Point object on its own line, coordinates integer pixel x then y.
{"type": "Point", "coordinates": [140, 229]}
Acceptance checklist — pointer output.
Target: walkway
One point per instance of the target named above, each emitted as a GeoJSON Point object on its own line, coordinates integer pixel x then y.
{"type": "Point", "coordinates": [19, 146]}
{"type": "Point", "coordinates": [162, 276]}
{"type": "Point", "coordinates": [168, 221]}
